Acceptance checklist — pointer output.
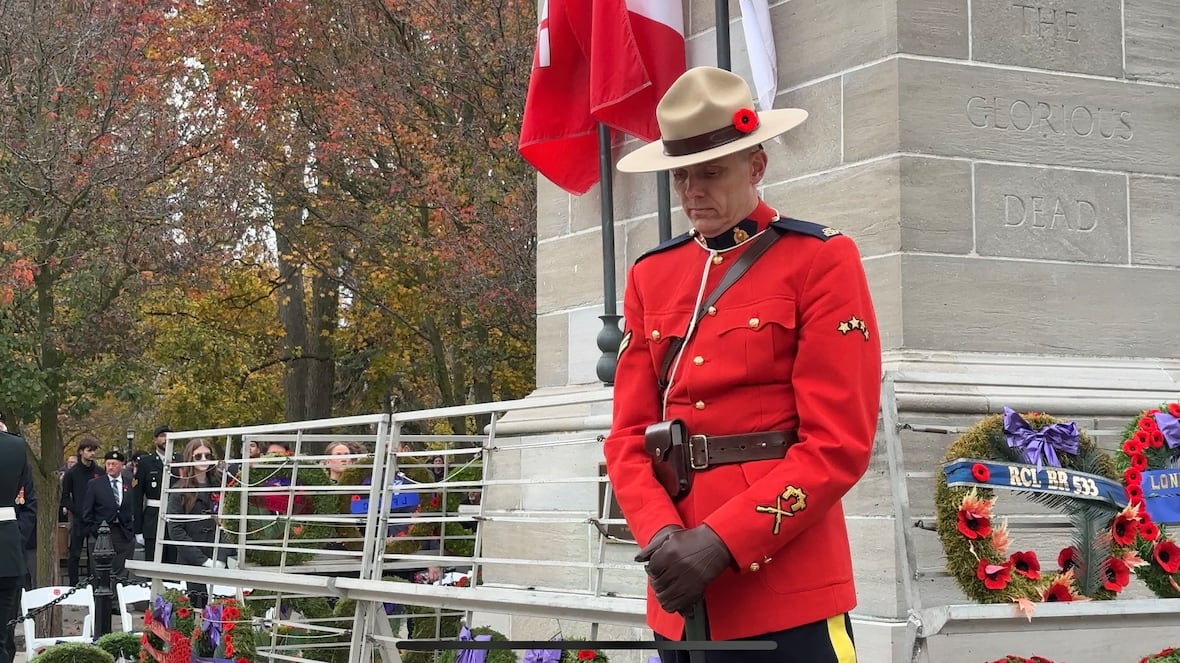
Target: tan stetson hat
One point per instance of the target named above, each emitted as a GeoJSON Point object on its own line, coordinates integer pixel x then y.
{"type": "Point", "coordinates": [707, 113]}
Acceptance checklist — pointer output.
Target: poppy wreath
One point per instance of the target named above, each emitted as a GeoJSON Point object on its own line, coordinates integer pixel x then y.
{"type": "Point", "coordinates": [458, 538]}
{"type": "Point", "coordinates": [1020, 659]}
{"type": "Point", "coordinates": [1051, 463]}
{"type": "Point", "coordinates": [1149, 460]}
{"type": "Point", "coordinates": [275, 478]}
{"type": "Point", "coordinates": [168, 625]}
{"type": "Point", "coordinates": [1169, 655]}
{"type": "Point", "coordinates": [225, 634]}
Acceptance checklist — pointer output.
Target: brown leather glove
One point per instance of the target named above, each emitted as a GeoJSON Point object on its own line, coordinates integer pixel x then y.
{"type": "Point", "coordinates": [685, 564]}
{"type": "Point", "coordinates": [656, 541]}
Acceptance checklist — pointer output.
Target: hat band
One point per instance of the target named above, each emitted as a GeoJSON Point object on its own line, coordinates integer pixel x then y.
{"type": "Point", "coordinates": [701, 142]}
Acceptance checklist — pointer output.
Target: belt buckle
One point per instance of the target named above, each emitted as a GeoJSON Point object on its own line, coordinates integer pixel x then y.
{"type": "Point", "coordinates": [692, 456]}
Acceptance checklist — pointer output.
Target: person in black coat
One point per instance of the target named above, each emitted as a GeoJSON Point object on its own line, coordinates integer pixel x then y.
{"type": "Point", "coordinates": [145, 499]}
{"type": "Point", "coordinates": [108, 498]}
{"type": "Point", "coordinates": [193, 505]}
{"type": "Point", "coordinates": [73, 491]}
{"type": "Point", "coordinates": [14, 474]}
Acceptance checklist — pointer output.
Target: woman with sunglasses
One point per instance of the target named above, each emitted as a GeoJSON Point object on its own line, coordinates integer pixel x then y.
{"type": "Point", "coordinates": [192, 513]}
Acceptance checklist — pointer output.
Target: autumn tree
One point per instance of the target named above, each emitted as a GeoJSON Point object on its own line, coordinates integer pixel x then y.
{"type": "Point", "coordinates": [382, 146]}
{"type": "Point", "coordinates": [97, 142]}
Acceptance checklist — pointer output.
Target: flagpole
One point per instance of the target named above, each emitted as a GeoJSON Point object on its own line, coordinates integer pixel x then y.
{"type": "Point", "coordinates": [721, 13]}
{"type": "Point", "coordinates": [609, 336]}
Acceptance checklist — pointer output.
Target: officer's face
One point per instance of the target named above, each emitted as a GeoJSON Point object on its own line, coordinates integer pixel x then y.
{"type": "Point", "coordinates": [114, 467]}
{"type": "Point", "coordinates": [161, 441]}
{"type": "Point", "coordinates": [719, 193]}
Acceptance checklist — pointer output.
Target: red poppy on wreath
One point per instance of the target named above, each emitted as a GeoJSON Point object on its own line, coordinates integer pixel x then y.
{"type": "Point", "coordinates": [1061, 589]}
{"type": "Point", "coordinates": [1135, 494]}
{"type": "Point", "coordinates": [183, 613]}
{"type": "Point", "coordinates": [1026, 564]}
{"type": "Point", "coordinates": [975, 517]}
{"type": "Point", "coordinates": [994, 576]}
{"type": "Point", "coordinates": [1132, 447]}
{"type": "Point", "coordinates": [1167, 555]}
{"type": "Point", "coordinates": [1068, 560]}
{"type": "Point", "coordinates": [1149, 532]}
{"type": "Point", "coordinates": [1139, 462]}
{"type": "Point", "coordinates": [980, 472]}
{"type": "Point", "coordinates": [745, 120]}
{"type": "Point", "coordinates": [1132, 476]}
{"type": "Point", "coordinates": [1116, 575]}
{"type": "Point", "coordinates": [1126, 526]}
{"type": "Point", "coordinates": [243, 660]}
{"type": "Point", "coordinates": [1147, 423]}
{"type": "Point", "coordinates": [586, 655]}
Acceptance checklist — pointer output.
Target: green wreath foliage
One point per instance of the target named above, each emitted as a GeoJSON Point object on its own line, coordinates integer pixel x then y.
{"type": "Point", "coordinates": [300, 530]}
{"type": "Point", "coordinates": [1091, 521]}
{"type": "Point", "coordinates": [576, 655]}
{"type": "Point", "coordinates": [458, 538]}
{"type": "Point", "coordinates": [75, 652]}
{"type": "Point", "coordinates": [121, 644]}
{"type": "Point", "coordinates": [1144, 445]}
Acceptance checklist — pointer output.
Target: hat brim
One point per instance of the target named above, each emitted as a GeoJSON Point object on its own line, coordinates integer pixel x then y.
{"type": "Point", "coordinates": [651, 157]}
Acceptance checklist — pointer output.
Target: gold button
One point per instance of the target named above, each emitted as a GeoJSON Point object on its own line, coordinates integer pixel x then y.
{"type": "Point", "coordinates": [655, 334]}
{"type": "Point", "coordinates": [698, 360]}
{"type": "Point", "coordinates": [700, 405]}
{"type": "Point", "coordinates": [712, 310]}
{"type": "Point", "coordinates": [718, 259]}
{"type": "Point", "coordinates": [754, 322]}
{"type": "Point", "coordinates": [754, 566]}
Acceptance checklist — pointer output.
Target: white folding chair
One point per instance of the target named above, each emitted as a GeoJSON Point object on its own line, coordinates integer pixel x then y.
{"type": "Point", "coordinates": [128, 594]}
{"type": "Point", "coordinates": [40, 596]}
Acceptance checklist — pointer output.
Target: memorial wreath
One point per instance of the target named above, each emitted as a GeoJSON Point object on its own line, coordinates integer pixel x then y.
{"type": "Point", "coordinates": [272, 494]}
{"type": "Point", "coordinates": [1052, 463]}
{"type": "Point", "coordinates": [1149, 459]}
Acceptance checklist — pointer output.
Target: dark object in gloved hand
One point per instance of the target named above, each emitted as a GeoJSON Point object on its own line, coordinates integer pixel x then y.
{"type": "Point", "coordinates": [656, 541]}
{"type": "Point", "coordinates": [685, 564]}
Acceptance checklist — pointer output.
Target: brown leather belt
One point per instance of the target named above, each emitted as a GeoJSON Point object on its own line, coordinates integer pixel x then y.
{"type": "Point", "coordinates": [708, 450]}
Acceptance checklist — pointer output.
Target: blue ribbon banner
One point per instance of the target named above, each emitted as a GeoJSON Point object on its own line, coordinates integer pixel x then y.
{"type": "Point", "coordinates": [398, 500]}
{"type": "Point", "coordinates": [1161, 493]}
{"type": "Point", "coordinates": [1015, 476]}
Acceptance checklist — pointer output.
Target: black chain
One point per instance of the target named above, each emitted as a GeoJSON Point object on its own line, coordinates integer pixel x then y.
{"type": "Point", "coordinates": [40, 609]}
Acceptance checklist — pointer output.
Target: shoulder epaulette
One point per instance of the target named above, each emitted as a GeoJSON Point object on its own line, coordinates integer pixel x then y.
{"type": "Point", "coordinates": [807, 228]}
{"type": "Point", "coordinates": [672, 243]}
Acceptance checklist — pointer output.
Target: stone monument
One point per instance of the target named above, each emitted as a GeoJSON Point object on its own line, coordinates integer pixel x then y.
{"type": "Point", "coordinates": [1011, 172]}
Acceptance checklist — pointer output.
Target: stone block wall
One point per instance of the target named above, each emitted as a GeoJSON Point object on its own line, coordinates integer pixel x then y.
{"type": "Point", "coordinates": [1010, 170]}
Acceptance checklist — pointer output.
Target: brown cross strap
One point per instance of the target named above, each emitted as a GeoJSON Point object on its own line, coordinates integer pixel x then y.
{"type": "Point", "coordinates": [708, 450]}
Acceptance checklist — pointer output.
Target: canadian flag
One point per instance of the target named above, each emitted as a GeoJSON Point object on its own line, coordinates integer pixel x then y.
{"type": "Point", "coordinates": [605, 61]}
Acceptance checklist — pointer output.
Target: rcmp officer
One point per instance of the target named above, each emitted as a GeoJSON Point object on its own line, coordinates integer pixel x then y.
{"type": "Point", "coordinates": [15, 474]}
{"type": "Point", "coordinates": [145, 496]}
{"type": "Point", "coordinates": [771, 379]}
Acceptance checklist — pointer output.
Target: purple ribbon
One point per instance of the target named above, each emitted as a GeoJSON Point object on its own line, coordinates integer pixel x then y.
{"type": "Point", "coordinates": [1041, 446]}
{"type": "Point", "coordinates": [211, 625]}
{"type": "Point", "coordinates": [1170, 427]}
{"type": "Point", "coordinates": [162, 611]}
{"type": "Point", "coordinates": [542, 655]}
{"type": "Point", "coordinates": [472, 655]}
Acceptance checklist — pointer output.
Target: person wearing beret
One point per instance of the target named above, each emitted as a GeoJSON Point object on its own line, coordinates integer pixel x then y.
{"type": "Point", "coordinates": [145, 495]}
{"type": "Point", "coordinates": [770, 374]}
{"type": "Point", "coordinates": [108, 499]}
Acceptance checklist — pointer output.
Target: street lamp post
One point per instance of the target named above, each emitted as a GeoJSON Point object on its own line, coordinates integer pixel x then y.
{"type": "Point", "coordinates": [130, 443]}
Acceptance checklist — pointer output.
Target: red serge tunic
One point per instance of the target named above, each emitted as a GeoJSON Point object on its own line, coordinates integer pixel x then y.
{"type": "Point", "coordinates": [792, 344]}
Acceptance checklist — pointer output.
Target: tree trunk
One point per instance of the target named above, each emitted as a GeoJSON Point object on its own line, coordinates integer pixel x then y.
{"type": "Point", "coordinates": [325, 308]}
{"type": "Point", "coordinates": [45, 477]}
{"type": "Point", "coordinates": [292, 314]}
